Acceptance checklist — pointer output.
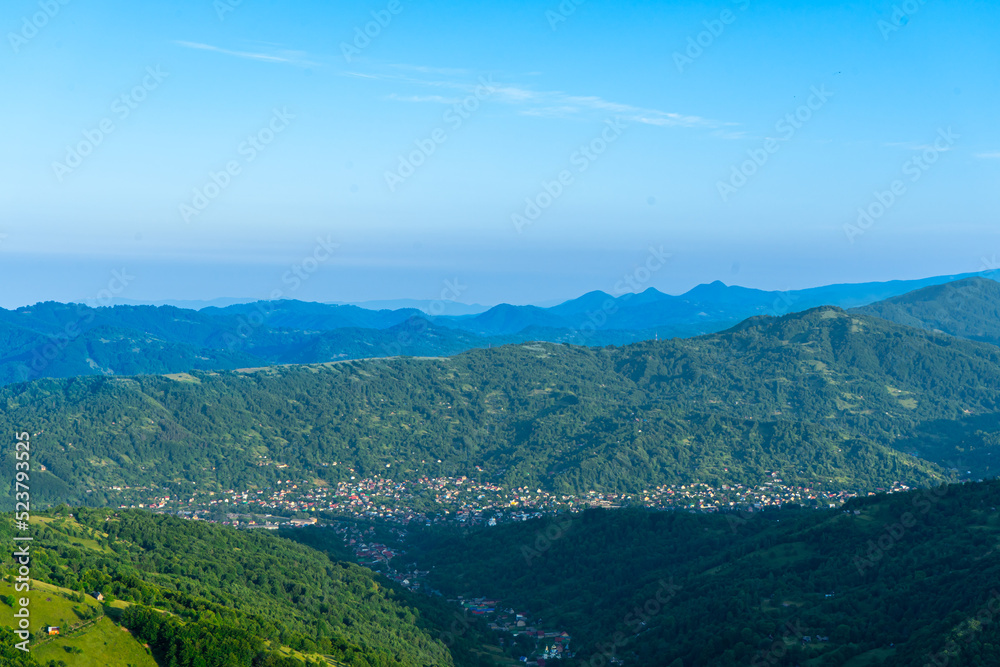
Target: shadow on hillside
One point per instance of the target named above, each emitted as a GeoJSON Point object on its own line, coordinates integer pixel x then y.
{"type": "Point", "coordinates": [969, 446]}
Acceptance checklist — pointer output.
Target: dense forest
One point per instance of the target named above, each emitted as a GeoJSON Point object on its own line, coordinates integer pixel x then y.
{"type": "Point", "coordinates": [233, 595]}
{"type": "Point", "coordinates": [821, 397]}
{"type": "Point", "coordinates": [968, 308]}
{"type": "Point", "coordinates": [898, 580]}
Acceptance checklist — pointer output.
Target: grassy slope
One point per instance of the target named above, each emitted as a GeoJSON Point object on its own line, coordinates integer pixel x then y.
{"type": "Point", "coordinates": [104, 644]}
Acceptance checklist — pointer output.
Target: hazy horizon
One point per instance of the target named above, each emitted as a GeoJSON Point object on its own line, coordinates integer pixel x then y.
{"type": "Point", "coordinates": [448, 302]}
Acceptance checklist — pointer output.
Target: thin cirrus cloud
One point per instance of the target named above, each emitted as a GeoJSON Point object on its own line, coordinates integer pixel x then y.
{"type": "Point", "coordinates": [993, 155]}
{"type": "Point", "coordinates": [557, 104]}
{"type": "Point", "coordinates": [285, 56]}
{"type": "Point", "coordinates": [548, 104]}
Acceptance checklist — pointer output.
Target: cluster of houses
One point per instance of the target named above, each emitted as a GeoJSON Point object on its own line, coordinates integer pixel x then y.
{"type": "Point", "coordinates": [550, 644]}
{"type": "Point", "coordinates": [706, 498]}
{"type": "Point", "coordinates": [374, 554]}
{"type": "Point", "coordinates": [466, 501]}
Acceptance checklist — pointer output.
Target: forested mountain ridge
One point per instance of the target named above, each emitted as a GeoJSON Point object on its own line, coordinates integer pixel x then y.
{"type": "Point", "coordinates": [821, 397]}
{"type": "Point", "coordinates": [58, 340]}
{"type": "Point", "coordinates": [968, 308]}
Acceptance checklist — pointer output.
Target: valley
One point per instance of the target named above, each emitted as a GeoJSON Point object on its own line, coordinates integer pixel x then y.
{"type": "Point", "coordinates": [484, 501]}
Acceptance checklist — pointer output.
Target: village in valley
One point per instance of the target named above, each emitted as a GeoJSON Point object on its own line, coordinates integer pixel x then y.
{"type": "Point", "coordinates": [372, 514]}
{"type": "Point", "coordinates": [462, 500]}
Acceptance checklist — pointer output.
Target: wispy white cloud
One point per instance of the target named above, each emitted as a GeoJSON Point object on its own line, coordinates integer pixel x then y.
{"type": "Point", "coordinates": [995, 155]}
{"type": "Point", "coordinates": [531, 102]}
{"type": "Point", "coordinates": [557, 104]}
{"type": "Point", "coordinates": [286, 56]}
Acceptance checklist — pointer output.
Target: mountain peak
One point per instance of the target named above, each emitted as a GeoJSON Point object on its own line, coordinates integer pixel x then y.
{"type": "Point", "coordinates": [714, 287]}
{"type": "Point", "coordinates": [713, 290]}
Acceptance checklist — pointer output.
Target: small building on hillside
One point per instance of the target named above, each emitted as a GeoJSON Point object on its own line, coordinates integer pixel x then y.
{"type": "Point", "coordinates": [97, 596]}
{"type": "Point", "coordinates": [52, 629]}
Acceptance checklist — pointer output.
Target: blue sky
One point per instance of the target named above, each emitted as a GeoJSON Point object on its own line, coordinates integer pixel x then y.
{"type": "Point", "coordinates": [649, 111]}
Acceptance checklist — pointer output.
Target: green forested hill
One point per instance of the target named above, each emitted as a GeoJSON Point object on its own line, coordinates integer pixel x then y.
{"type": "Point", "coordinates": [234, 596]}
{"type": "Point", "coordinates": [968, 308]}
{"type": "Point", "coordinates": [821, 397]}
{"type": "Point", "coordinates": [897, 580]}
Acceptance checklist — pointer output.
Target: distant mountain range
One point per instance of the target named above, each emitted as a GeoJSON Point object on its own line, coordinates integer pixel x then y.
{"type": "Point", "coordinates": [704, 309]}
{"type": "Point", "coordinates": [64, 340]}
{"type": "Point", "coordinates": [430, 307]}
